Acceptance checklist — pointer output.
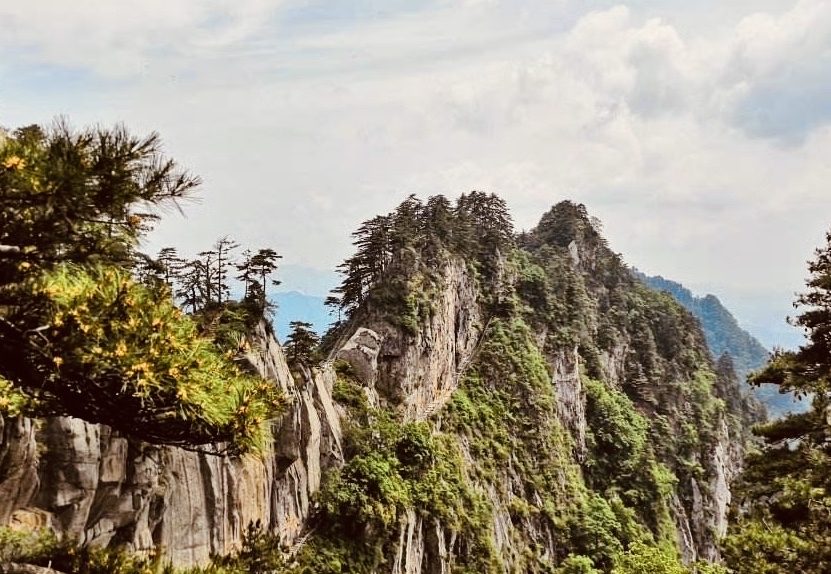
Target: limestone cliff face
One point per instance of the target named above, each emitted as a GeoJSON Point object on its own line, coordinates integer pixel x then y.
{"type": "Point", "coordinates": [499, 365]}
{"type": "Point", "coordinates": [417, 372]}
{"type": "Point", "coordinates": [85, 482]}
{"type": "Point", "coordinates": [589, 321]}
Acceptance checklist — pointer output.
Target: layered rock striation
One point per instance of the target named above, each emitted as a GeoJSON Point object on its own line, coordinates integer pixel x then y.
{"type": "Point", "coordinates": [85, 482]}
{"type": "Point", "coordinates": [488, 411]}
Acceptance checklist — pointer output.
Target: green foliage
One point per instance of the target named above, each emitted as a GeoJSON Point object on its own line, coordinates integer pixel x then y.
{"type": "Point", "coordinates": [760, 547]}
{"type": "Point", "coordinates": [302, 342]}
{"type": "Point", "coordinates": [595, 531]}
{"type": "Point", "coordinates": [337, 554]}
{"type": "Point", "coordinates": [577, 565]}
{"type": "Point", "coordinates": [616, 437]}
{"type": "Point", "coordinates": [348, 392]}
{"type": "Point", "coordinates": [394, 252]}
{"type": "Point", "coordinates": [19, 544]}
{"type": "Point", "coordinates": [260, 554]}
{"type": "Point", "coordinates": [369, 490]}
{"type": "Point", "coordinates": [726, 338]}
{"type": "Point", "coordinates": [809, 369]}
{"type": "Point", "coordinates": [784, 498]}
{"type": "Point", "coordinates": [40, 548]}
{"type": "Point", "coordinates": [643, 559]}
{"type": "Point", "coordinates": [123, 354]}
{"type": "Point", "coordinates": [78, 335]}
{"type": "Point", "coordinates": [80, 196]}
{"type": "Point", "coordinates": [722, 331]}
{"type": "Point", "coordinates": [648, 438]}
{"type": "Point", "coordinates": [393, 467]}
{"type": "Point", "coordinates": [782, 523]}
{"type": "Point", "coordinates": [506, 406]}
{"type": "Point", "coordinates": [709, 568]}
{"type": "Point", "coordinates": [14, 401]}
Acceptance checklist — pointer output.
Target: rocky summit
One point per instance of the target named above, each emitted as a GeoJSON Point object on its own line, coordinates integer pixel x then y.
{"type": "Point", "coordinates": [490, 402]}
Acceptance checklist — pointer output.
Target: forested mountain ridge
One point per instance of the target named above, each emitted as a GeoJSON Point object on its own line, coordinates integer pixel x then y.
{"type": "Point", "coordinates": [489, 402]}
{"type": "Point", "coordinates": [721, 329]}
{"type": "Point", "coordinates": [725, 335]}
{"type": "Point", "coordinates": [576, 412]}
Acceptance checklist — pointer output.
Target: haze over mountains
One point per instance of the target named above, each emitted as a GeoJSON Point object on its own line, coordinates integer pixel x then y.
{"type": "Point", "coordinates": [305, 302]}
{"type": "Point", "coordinates": [725, 335]}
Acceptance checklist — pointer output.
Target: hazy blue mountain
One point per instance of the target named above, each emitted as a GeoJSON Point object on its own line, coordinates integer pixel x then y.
{"type": "Point", "coordinates": [297, 306]}
{"type": "Point", "coordinates": [307, 280]}
{"type": "Point", "coordinates": [724, 335]}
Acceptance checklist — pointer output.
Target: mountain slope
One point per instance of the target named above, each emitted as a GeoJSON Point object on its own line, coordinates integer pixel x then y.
{"type": "Point", "coordinates": [724, 335]}
{"type": "Point", "coordinates": [721, 329]}
{"type": "Point", "coordinates": [515, 406]}
{"type": "Point", "coordinates": [490, 404]}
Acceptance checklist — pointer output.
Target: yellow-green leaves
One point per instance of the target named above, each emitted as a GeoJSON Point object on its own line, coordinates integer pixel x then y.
{"type": "Point", "coordinates": [121, 353]}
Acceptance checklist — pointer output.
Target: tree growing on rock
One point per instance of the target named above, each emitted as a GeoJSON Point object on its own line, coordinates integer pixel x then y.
{"type": "Point", "coordinates": [302, 342]}
{"type": "Point", "coordinates": [78, 334]}
{"type": "Point", "coordinates": [785, 494]}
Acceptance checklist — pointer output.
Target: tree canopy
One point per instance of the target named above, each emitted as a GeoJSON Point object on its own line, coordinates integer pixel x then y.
{"type": "Point", "coordinates": [301, 342]}
{"type": "Point", "coordinates": [785, 494]}
{"type": "Point", "coordinates": [477, 228]}
{"type": "Point", "coordinates": [79, 335]}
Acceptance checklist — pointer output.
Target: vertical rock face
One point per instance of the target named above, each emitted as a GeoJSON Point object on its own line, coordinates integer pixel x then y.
{"type": "Point", "coordinates": [102, 489]}
{"type": "Point", "coordinates": [85, 482]}
{"type": "Point", "coordinates": [418, 372]}
{"type": "Point", "coordinates": [571, 406]}
{"type": "Point", "coordinates": [540, 364]}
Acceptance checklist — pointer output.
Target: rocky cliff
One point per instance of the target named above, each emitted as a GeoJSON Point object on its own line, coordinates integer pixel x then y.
{"type": "Point", "coordinates": [85, 482]}
{"type": "Point", "coordinates": [504, 408]}
{"type": "Point", "coordinates": [525, 405]}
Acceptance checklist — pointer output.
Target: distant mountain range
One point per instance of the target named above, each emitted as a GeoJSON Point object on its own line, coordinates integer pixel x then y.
{"type": "Point", "coordinates": [724, 334]}
{"type": "Point", "coordinates": [297, 306]}
{"type": "Point", "coordinates": [721, 330]}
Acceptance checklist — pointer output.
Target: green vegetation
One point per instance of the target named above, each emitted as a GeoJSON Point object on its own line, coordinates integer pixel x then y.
{"type": "Point", "coordinates": [642, 559]}
{"type": "Point", "coordinates": [784, 497]}
{"type": "Point", "coordinates": [397, 255]}
{"type": "Point", "coordinates": [301, 342]}
{"type": "Point", "coordinates": [650, 427]}
{"type": "Point", "coordinates": [727, 340]}
{"type": "Point", "coordinates": [41, 548]}
{"type": "Point", "coordinates": [80, 333]}
{"type": "Point", "coordinates": [589, 406]}
{"type": "Point", "coordinates": [722, 331]}
{"type": "Point", "coordinates": [394, 468]}
{"type": "Point", "coordinates": [620, 462]}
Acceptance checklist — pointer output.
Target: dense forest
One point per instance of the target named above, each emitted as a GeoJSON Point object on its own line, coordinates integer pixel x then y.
{"type": "Point", "coordinates": [725, 337]}
{"type": "Point", "coordinates": [579, 423]}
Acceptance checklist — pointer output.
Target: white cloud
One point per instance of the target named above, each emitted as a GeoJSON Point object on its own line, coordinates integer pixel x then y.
{"type": "Point", "coordinates": [119, 39]}
{"type": "Point", "coordinates": [668, 133]}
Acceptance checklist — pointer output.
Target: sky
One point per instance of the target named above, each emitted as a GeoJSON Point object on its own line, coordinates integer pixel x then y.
{"type": "Point", "coordinates": [698, 132]}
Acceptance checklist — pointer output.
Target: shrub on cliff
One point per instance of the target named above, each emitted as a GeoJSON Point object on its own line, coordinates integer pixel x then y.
{"type": "Point", "coordinates": [79, 336]}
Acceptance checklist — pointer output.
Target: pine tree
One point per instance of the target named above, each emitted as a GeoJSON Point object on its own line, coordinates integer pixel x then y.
{"type": "Point", "coordinates": [373, 242]}
{"type": "Point", "coordinates": [246, 273]}
{"type": "Point", "coordinates": [223, 248]}
{"type": "Point", "coordinates": [301, 342]}
{"type": "Point", "coordinates": [207, 270]}
{"type": "Point", "coordinates": [785, 493]}
{"type": "Point", "coordinates": [263, 265]}
{"type": "Point", "coordinates": [79, 335]}
{"type": "Point", "coordinates": [170, 265]}
{"type": "Point", "coordinates": [436, 223]}
{"type": "Point", "coordinates": [193, 283]}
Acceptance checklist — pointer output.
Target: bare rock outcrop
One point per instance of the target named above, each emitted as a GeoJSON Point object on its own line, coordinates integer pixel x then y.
{"type": "Point", "coordinates": [85, 482]}
{"type": "Point", "coordinates": [420, 371]}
